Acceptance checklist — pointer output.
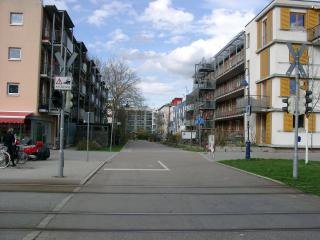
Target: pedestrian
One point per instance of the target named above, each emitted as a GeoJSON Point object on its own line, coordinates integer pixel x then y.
{"type": "Point", "coordinates": [9, 142]}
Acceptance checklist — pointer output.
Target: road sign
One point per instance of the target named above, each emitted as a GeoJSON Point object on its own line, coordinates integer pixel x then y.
{"type": "Point", "coordinates": [199, 121]}
{"type": "Point", "coordinates": [296, 56]}
{"type": "Point", "coordinates": [63, 83]}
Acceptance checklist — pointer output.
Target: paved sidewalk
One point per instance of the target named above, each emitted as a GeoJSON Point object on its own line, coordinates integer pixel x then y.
{"type": "Point", "coordinates": [76, 168]}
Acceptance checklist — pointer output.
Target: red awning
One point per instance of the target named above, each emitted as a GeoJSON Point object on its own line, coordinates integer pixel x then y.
{"type": "Point", "coordinates": [13, 117]}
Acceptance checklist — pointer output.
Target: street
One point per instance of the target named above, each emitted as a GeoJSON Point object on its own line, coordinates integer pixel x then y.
{"type": "Point", "coordinates": [150, 191]}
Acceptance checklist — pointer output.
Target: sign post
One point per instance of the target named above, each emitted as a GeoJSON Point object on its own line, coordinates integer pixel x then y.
{"type": "Point", "coordinates": [63, 84]}
{"type": "Point", "coordinates": [298, 70]}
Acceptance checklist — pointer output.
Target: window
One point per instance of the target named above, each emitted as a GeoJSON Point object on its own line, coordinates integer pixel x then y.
{"type": "Point", "coordinates": [14, 53]}
{"type": "Point", "coordinates": [16, 18]}
{"type": "Point", "coordinates": [264, 32]}
{"type": "Point", "coordinates": [300, 121]}
{"type": "Point", "coordinates": [13, 89]}
{"type": "Point", "coordinates": [297, 21]}
{"type": "Point", "coordinates": [248, 40]}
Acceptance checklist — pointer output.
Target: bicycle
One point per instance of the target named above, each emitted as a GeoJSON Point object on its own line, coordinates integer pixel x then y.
{"type": "Point", "coordinates": [4, 157]}
{"type": "Point", "coordinates": [20, 155]}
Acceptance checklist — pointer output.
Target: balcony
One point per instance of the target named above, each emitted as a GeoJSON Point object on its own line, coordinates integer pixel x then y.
{"type": "Point", "coordinates": [189, 123]}
{"type": "Point", "coordinates": [208, 124]}
{"type": "Point", "coordinates": [189, 99]}
{"type": "Point", "coordinates": [229, 112]}
{"type": "Point", "coordinates": [190, 108]}
{"type": "Point", "coordinates": [83, 89]}
{"type": "Point", "coordinates": [207, 105]}
{"type": "Point", "coordinates": [206, 86]}
{"type": "Point", "coordinates": [314, 34]}
{"type": "Point", "coordinates": [229, 64]}
{"type": "Point", "coordinates": [258, 103]}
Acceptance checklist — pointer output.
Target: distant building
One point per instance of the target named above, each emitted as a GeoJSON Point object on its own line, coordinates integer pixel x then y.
{"type": "Point", "coordinates": [140, 120]}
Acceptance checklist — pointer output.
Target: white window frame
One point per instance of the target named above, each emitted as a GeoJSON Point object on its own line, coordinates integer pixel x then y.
{"type": "Point", "coordinates": [14, 59]}
{"type": "Point", "coordinates": [13, 94]}
{"type": "Point", "coordinates": [16, 24]}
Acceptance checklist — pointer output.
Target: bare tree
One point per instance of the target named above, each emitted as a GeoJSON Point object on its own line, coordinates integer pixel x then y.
{"type": "Point", "coordinates": [122, 83]}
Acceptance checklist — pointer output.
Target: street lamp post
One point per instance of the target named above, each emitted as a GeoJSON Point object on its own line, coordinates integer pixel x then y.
{"type": "Point", "coordinates": [248, 114]}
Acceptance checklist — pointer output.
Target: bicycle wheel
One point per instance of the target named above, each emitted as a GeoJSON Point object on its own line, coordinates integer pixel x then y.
{"type": "Point", "coordinates": [4, 159]}
{"type": "Point", "coordinates": [22, 157]}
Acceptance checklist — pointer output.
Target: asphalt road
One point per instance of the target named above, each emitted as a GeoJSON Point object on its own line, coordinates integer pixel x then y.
{"type": "Point", "coordinates": [149, 191]}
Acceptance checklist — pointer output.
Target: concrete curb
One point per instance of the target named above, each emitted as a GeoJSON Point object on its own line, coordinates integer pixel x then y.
{"type": "Point", "coordinates": [250, 173]}
{"type": "Point", "coordinates": [90, 175]}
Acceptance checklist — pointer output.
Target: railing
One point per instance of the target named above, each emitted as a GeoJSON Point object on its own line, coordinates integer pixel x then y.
{"type": "Point", "coordinates": [208, 124]}
{"type": "Point", "coordinates": [45, 69]}
{"type": "Point", "coordinates": [230, 63]}
{"type": "Point", "coordinates": [206, 85]}
{"type": "Point", "coordinates": [190, 107]}
{"type": "Point", "coordinates": [229, 112]}
{"type": "Point", "coordinates": [313, 33]}
{"type": "Point", "coordinates": [229, 87]}
{"type": "Point", "coordinates": [258, 103]}
{"type": "Point", "coordinates": [207, 105]}
{"type": "Point", "coordinates": [189, 123]}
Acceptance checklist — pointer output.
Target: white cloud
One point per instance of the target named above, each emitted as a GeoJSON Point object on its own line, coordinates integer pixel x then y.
{"type": "Point", "coordinates": [225, 23]}
{"type": "Point", "coordinates": [155, 87]}
{"type": "Point", "coordinates": [175, 39]}
{"type": "Point", "coordinates": [116, 37]}
{"type": "Point", "coordinates": [107, 10]}
{"type": "Point", "coordinates": [234, 4]}
{"type": "Point", "coordinates": [163, 16]}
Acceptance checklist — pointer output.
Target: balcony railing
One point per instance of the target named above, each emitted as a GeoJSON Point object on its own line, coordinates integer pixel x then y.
{"type": "Point", "coordinates": [208, 124]}
{"type": "Point", "coordinates": [206, 86]}
{"type": "Point", "coordinates": [45, 69]}
{"type": "Point", "coordinates": [229, 112]}
{"type": "Point", "coordinates": [190, 107]}
{"type": "Point", "coordinates": [258, 103]}
{"type": "Point", "coordinates": [230, 63]}
{"type": "Point", "coordinates": [313, 33]}
{"type": "Point", "coordinates": [189, 123]}
{"type": "Point", "coordinates": [207, 105]}
{"type": "Point", "coordinates": [229, 87]}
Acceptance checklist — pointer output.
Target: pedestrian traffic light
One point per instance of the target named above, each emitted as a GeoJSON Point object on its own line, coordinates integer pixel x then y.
{"type": "Point", "coordinates": [308, 99]}
{"type": "Point", "coordinates": [69, 103]}
{"type": "Point", "coordinates": [57, 99]}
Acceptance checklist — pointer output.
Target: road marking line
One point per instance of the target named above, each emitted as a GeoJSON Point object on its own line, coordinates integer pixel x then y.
{"type": "Point", "coordinates": [165, 168]}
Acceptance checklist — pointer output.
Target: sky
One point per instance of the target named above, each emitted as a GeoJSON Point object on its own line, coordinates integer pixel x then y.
{"type": "Point", "coordinates": [161, 40]}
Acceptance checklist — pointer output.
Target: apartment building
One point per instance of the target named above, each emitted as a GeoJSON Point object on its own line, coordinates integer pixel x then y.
{"type": "Point", "coordinates": [267, 61]}
{"type": "Point", "coordinates": [31, 36]}
{"type": "Point", "coordinates": [139, 120]}
{"type": "Point", "coordinates": [229, 76]}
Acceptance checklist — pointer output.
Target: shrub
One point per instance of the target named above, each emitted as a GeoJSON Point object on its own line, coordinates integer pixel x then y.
{"type": "Point", "coordinates": [93, 145]}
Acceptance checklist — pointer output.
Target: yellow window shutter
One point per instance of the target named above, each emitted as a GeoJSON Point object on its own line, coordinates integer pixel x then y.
{"type": "Point", "coordinates": [287, 122]}
{"type": "Point", "coordinates": [284, 87]}
{"type": "Point", "coordinates": [312, 122]}
{"type": "Point", "coordinates": [259, 90]}
{"type": "Point", "coordinates": [269, 91]}
{"type": "Point", "coordinates": [259, 35]}
{"type": "Point", "coordinates": [268, 128]}
{"type": "Point", "coordinates": [264, 63]}
{"type": "Point", "coordinates": [312, 18]}
{"type": "Point", "coordinates": [285, 18]}
{"type": "Point", "coordinates": [269, 27]}
{"type": "Point", "coordinates": [305, 56]}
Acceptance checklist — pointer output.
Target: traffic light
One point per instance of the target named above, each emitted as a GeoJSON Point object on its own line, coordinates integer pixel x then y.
{"type": "Point", "coordinates": [69, 103]}
{"type": "Point", "coordinates": [57, 99]}
{"type": "Point", "coordinates": [302, 102]}
{"type": "Point", "coordinates": [308, 99]}
{"type": "Point", "coordinates": [290, 101]}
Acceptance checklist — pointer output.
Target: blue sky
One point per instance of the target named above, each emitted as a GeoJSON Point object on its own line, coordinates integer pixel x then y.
{"type": "Point", "coordinates": [160, 39]}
